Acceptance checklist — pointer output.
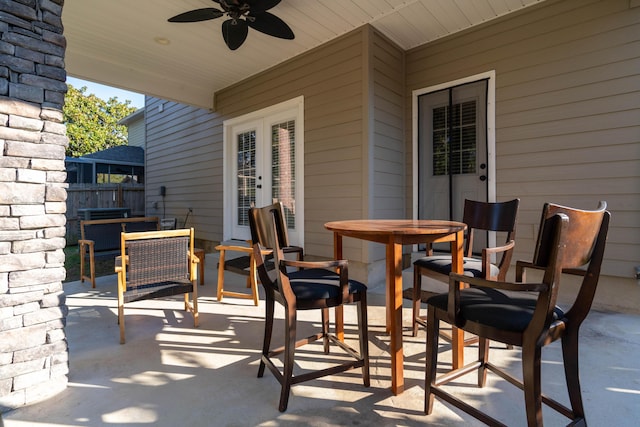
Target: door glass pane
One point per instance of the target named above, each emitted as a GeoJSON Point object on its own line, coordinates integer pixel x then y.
{"type": "Point", "coordinates": [283, 184]}
{"type": "Point", "coordinates": [454, 128]}
{"type": "Point", "coordinates": [246, 150]}
{"type": "Point", "coordinates": [439, 139]}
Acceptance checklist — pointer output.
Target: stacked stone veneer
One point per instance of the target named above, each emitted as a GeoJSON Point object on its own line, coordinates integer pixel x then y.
{"type": "Point", "coordinates": [33, 347]}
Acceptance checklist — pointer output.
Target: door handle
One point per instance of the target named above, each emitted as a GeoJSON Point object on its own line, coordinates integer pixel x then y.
{"type": "Point", "coordinates": [483, 166]}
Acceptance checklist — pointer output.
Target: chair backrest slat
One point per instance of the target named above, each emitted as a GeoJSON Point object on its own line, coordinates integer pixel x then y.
{"type": "Point", "coordinates": [259, 228]}
{"type": "Point", "coordinates": [495, 216]}
{"type": "Point", "coordinates": [579, 243]}
{"type": "Point", "coordinates": [265, 233]}
{"type": "Point", "coordinates": [485, 216]}
{"type": "Point", "coordinates": [582, 231]}
{"type": "Point", "coordinates": [498, 216]}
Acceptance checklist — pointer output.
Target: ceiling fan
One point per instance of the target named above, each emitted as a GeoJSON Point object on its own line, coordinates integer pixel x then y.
{"type": "Point", "coordinates": [242, 15]}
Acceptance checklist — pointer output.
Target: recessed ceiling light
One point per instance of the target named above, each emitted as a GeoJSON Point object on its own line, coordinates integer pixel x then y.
{"type": "Point", "coordinates": [161, 40]}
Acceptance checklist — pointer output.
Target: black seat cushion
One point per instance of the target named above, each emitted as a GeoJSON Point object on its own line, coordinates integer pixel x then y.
{"type": "Point", "coordinates": [511, 311]}
{"type": "Point", "coordinates": [239, 265]}
{"type": "Point", "coordinates": [319, 284]}
{"type": "Point", "coordinates": [442, 264]}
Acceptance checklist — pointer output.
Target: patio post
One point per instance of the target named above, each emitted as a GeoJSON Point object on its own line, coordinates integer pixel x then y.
{"type": "Point", "coordinates": [34, 360]}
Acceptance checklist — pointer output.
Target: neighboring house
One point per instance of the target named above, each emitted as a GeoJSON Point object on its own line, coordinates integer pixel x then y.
{"type": "Point", "coordinates": [107, 179]}
{"type": "Point", "coordinates": [556, 85]}
{"type": "Point", "coordinates": [115, 165]}
{"type": "Point", "coordinates": [122, 164]}
{"type": "Point", "coordinates": [136, 135]}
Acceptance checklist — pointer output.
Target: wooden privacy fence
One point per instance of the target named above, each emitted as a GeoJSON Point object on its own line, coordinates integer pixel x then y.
{"type": "Point", "coordinates": [84, 196]}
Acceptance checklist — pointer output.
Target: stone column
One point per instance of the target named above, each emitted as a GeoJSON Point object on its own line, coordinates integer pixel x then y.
{"type": "Point", "coordinates": [33, 346]}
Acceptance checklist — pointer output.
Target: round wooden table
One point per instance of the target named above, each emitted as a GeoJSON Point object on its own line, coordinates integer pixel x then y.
{"type": "Point", "coordinates": [394, 233]}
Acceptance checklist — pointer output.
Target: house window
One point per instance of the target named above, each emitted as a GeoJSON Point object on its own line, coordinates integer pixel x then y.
{"type": "Point", "coordinates": [119, 174]}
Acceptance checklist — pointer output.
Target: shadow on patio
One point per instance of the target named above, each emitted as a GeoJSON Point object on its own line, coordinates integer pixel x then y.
{"type": "Point", "coordinates": [170, 374]}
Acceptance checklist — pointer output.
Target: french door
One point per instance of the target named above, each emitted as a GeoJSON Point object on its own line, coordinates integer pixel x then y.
{"type": "Point", "coordinates": [454, 147]}
{"type": "Point", "coordinates": [264, 163]}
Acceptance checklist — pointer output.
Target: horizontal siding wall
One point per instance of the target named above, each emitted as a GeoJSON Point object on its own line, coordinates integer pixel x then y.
{"type": "Point", "coordinates": [331, 80]}
{"type": "Point", "coordinates": [388, 151]}
{"type": "Point", "coordinates": [184, 153]}
{"type": "Point", "coordinates": [135, 133]}
{"type": "Point", "coordinates": [567, 111]}
{"type": "Point", "coordinates": [388, 130]}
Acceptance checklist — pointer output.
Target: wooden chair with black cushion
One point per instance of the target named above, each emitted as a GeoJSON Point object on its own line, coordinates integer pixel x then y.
{"type": "Point", "coordinates": [479, 217]}
{"type": "Point", "coordinates": [245, 264]}
{"type": "Point", "coordinates": [309, 285]}
{"type": "Point", "coordinates": [570, 241]}
{"type": "Point", "coordinates": [157, 264]}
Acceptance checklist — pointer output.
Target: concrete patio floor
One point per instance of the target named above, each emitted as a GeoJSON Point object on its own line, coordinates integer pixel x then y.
{"type": "Point", "coordinates": [171, 374]}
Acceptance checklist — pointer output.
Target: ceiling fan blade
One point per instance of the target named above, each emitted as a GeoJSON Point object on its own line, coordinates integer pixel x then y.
{"type": "Point", "coordinates": [259, 6]}
{"type": "Point", "coordinates": [234, 32]}
{"type": "Point", "coordinates": [197, 15]}
{"type": "Point", "coordinates": [270, 24]}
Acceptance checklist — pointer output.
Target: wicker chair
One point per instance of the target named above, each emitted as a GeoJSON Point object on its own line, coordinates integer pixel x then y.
{"type": "Point", "coordinates": [157, 264]}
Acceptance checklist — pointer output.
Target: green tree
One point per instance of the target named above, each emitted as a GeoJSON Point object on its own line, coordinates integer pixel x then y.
{"type": "Point", "coordinates": [92, 123]}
